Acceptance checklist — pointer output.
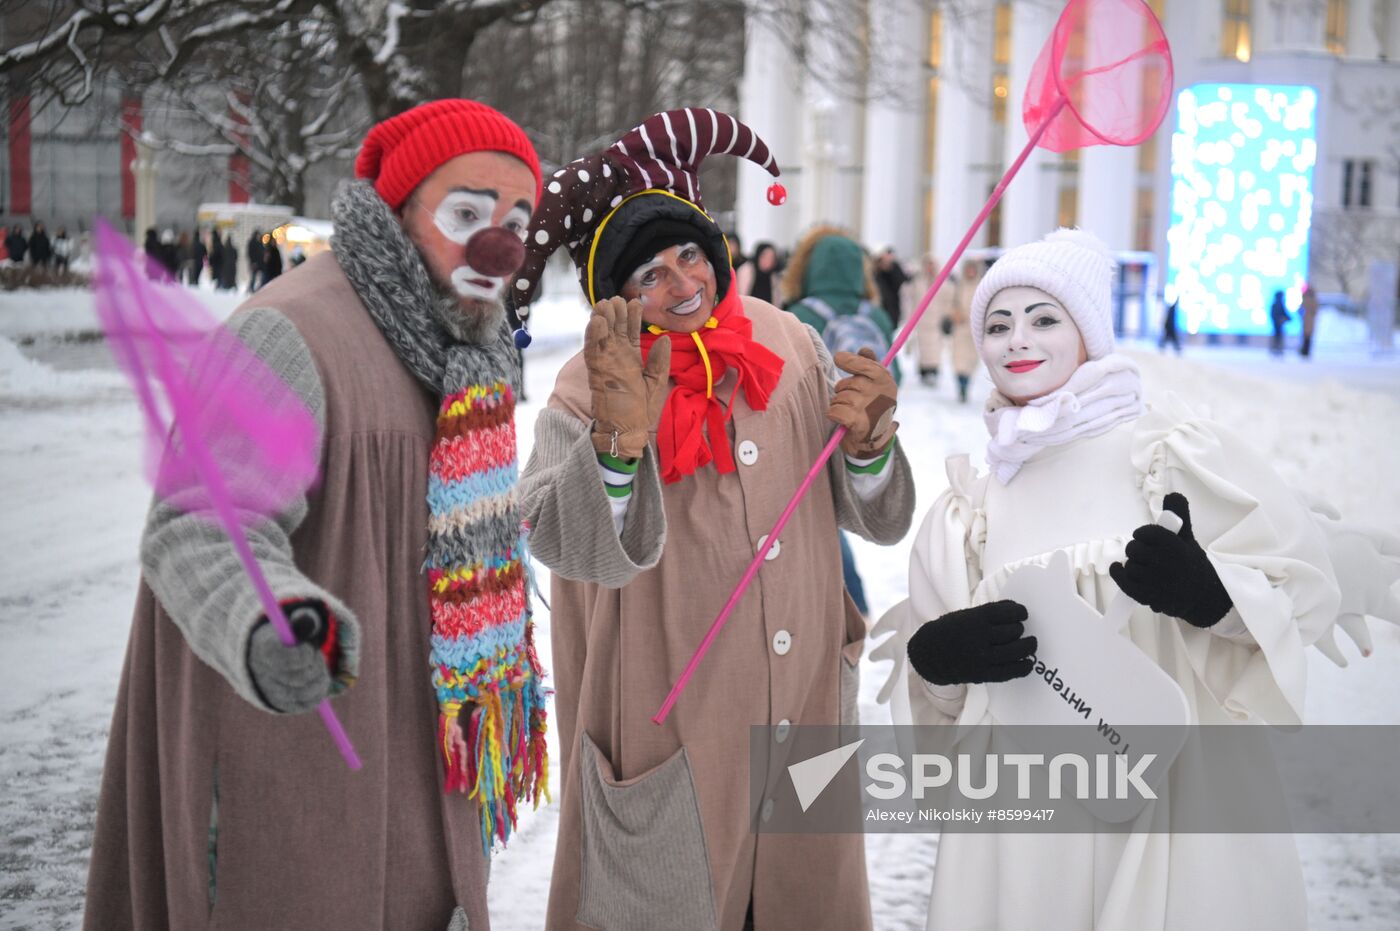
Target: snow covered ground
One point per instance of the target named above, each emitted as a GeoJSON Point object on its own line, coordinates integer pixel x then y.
{"type": "Point", "coordinates": [73, 497]}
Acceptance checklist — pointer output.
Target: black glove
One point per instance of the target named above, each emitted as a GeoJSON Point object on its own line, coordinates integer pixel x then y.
{"type": "Point", "coordinates": [1170, 573]}
{"type": "Point", "coordinates": [292, 679]}
{"type": "Point", "coordinates": [980, 644]}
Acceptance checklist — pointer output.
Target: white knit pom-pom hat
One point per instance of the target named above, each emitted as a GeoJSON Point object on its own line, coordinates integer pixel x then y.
{"type": "Point", "coordinates": [1070, 265]}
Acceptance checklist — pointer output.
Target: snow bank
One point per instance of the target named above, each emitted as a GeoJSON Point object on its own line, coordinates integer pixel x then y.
{"type": "Point", "coordinates": [24, 379]}
{"type": "Point", "coordinates": [67, 312]}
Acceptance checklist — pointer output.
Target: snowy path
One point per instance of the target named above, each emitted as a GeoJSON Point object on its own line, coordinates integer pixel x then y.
{"type": "Point", "coordinates": [73, 499]}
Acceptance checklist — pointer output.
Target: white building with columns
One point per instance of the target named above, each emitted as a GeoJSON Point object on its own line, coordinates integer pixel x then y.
{"type": "Point", "coordinates": [909, 157]}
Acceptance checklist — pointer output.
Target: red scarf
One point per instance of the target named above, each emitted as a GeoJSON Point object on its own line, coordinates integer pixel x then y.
{"type": "Point", "coordinates": [692, 406]}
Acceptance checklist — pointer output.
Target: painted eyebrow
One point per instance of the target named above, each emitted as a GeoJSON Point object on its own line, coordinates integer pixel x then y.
{"type": "Point", "coordinates": [1027, 310]}
{"type": "Point", "coordinates": [645, 267]}
{"type": "Point", "coordinates": [487, 192]}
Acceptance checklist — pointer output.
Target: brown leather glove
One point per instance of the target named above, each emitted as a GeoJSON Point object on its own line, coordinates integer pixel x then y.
{"type": "Point", "coordinates": [627, 396]}
{"type": "Point", "coordinates": [864, 404]}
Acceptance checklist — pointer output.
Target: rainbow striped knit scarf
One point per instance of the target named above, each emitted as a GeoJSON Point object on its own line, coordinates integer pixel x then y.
{"type": "Point", "coordinates": [484, 668]}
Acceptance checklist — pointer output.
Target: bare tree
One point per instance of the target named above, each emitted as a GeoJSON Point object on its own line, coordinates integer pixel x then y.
{"type": "Point", "coordinates": [1345, 242]}
{"type": "Point", "coordinates": [286, 84]}
{"type": "Point", "coordinates": [284, 101]}
{"type": "Point", "coordinates": [585, 71]}
{"type": "Point", "coordinates": [290, 84]}
{"type": "Point", "coordinates": [402, 51]}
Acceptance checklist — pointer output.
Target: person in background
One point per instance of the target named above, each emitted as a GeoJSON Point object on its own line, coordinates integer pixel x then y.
{"type": "Point", "coordinates": [216, 259]}
{"type": "Point", "coordinates": [1169, 332]}
{"type": "Point", "coordinates": [16, 245]}
{"type": "Point", "coordinates": [272, 259]}
{"type": "Point", "coordinates": [761, 275]}
{"type": "Point", "coordinates": [1278, 316]}
{"type": "Point", "coordinates": [890, 277]}
{"type": "Point", "coordinates": [965, 360]}
{"type": "Point", "coordinates": [828, 287]}
{"type": "Point", "coordinates": [228, 268]}
{"type": "Point", "coordinates": [937, 322]}
{"type": "Point", "coordinates": [62, 250]}
{"type": "Point", "coordinates": [151, 246]}
{"type": "Point", "coordinates": [1309, 320]}
{"type": "Point", "coordinates": [198, 253]}
{"type": "Point", "coordinates": [40, 249]}
{"type": "Point", "coordinates": [169, 257]}
{"type": "Point", "coordinates": [736, 252]}
{"type": "Point", "coordinates": [255, 261]}
{"type": "Point", "coordinates": [184, 256]}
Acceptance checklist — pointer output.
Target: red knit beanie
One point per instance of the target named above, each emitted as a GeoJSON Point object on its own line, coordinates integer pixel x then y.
{"type": "Point", "coordinates": [400, 152]}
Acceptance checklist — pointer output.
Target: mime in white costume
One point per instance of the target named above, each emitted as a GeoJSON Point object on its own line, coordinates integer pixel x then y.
{"type": "Point", "coordinates": [1080, 464]}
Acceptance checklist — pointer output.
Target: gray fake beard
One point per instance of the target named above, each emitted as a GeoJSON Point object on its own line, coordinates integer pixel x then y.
{"type": "Point", "coordinates": [470, 320]}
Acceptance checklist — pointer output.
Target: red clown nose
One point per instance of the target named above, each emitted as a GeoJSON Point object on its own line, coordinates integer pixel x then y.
{"type": "Point", "coordinates": [495, 252]}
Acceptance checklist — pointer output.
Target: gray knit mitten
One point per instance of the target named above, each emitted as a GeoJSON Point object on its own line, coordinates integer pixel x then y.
{"type": "Point", "coordinates": [292, 679]}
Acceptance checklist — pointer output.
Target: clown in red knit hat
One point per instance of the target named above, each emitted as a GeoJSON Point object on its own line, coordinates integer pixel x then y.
{"type": "Point", "coordinates": [402, 571]}
{"type": "Point", "coordinates": [666, 452]}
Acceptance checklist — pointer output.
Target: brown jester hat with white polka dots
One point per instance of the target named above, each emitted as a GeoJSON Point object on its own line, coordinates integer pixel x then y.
{"type": "Point", "coordinates": [593, 205]}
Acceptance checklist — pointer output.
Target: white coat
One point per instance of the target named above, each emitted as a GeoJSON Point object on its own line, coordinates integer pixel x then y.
{"type": "Point", "coordinates": [1086, 498]}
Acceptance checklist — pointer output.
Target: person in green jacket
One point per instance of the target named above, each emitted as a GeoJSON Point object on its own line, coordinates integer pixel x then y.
{"type": "Point", "coordinates": [828, 286]}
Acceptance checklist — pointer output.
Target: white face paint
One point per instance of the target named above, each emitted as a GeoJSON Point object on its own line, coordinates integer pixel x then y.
{"type": "Point", "coordinates": [658, 280]}
{"type": "Point", "coordinates": [1030, 343]}
{"type": "Point", "coordinates": [463, 213]}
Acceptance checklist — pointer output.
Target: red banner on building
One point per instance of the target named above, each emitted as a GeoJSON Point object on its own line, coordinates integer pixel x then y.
{"type": "Point", "coordinates": [131, 128]}
{"type": "Point", "coordinates": [239, 168]}
{"type": "Point", "coordinates": [21, 175]}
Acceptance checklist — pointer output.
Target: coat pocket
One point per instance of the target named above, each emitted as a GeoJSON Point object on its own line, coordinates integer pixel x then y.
{"type": "Point", "coordinates": [643, 866]}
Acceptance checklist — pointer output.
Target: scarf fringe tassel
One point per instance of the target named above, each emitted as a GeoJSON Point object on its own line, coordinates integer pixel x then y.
{"type": "Point", "coordinates": [506, 760]}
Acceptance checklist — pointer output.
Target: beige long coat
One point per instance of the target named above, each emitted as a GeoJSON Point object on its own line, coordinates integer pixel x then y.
{"type": "Point", "coordinates": [657, 830]}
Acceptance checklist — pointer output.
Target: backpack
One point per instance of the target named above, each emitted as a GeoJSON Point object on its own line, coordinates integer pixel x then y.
{"type": "Point", "coordinates": [852, 332]}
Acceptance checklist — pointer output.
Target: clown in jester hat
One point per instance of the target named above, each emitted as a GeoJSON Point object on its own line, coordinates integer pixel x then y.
{"type": "Point", "coordinates": [668, 449]}
{"type": "Point", "coordinates": [224, 804]}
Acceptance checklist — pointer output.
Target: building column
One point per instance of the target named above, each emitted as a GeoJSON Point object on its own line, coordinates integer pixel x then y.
{"type": "Point", "coordinates": [965, 162]}
{"type": "Point", "coordinates": [1289, 26]}
{"type": "Point", "coordinates": [833, 120]}
{"type": "Point", "coordinates": [892, 195]}
{"type": "Point", "coordinates": [144, 168]}
{"type": "Point", "coordinates": [1029, 205]}
{"type": "Point", "coordinates": [768, 95]}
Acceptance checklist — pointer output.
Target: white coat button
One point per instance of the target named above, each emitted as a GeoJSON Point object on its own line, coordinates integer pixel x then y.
{"type": "Point", "coordinates": [782, 642]}
{"type": "Point", "coordinates": [773, 553]}
{"type": "Point", "coordinates": [748, 452]}
{"type": "Point", "coordinates": [767, 809]}
{"type": "Point", "coordinates": [781, 733]}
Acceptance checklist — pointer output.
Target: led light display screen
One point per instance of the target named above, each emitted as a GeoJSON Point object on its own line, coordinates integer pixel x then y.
{"type": "Point", "coordinates": [1241, 203]}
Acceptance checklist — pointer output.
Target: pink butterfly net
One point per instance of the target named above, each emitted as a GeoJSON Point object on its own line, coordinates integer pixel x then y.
{"type": "Point", "coordinates": [1109, 61]}
{"type": "Point", "coordinates": [227, 439]}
